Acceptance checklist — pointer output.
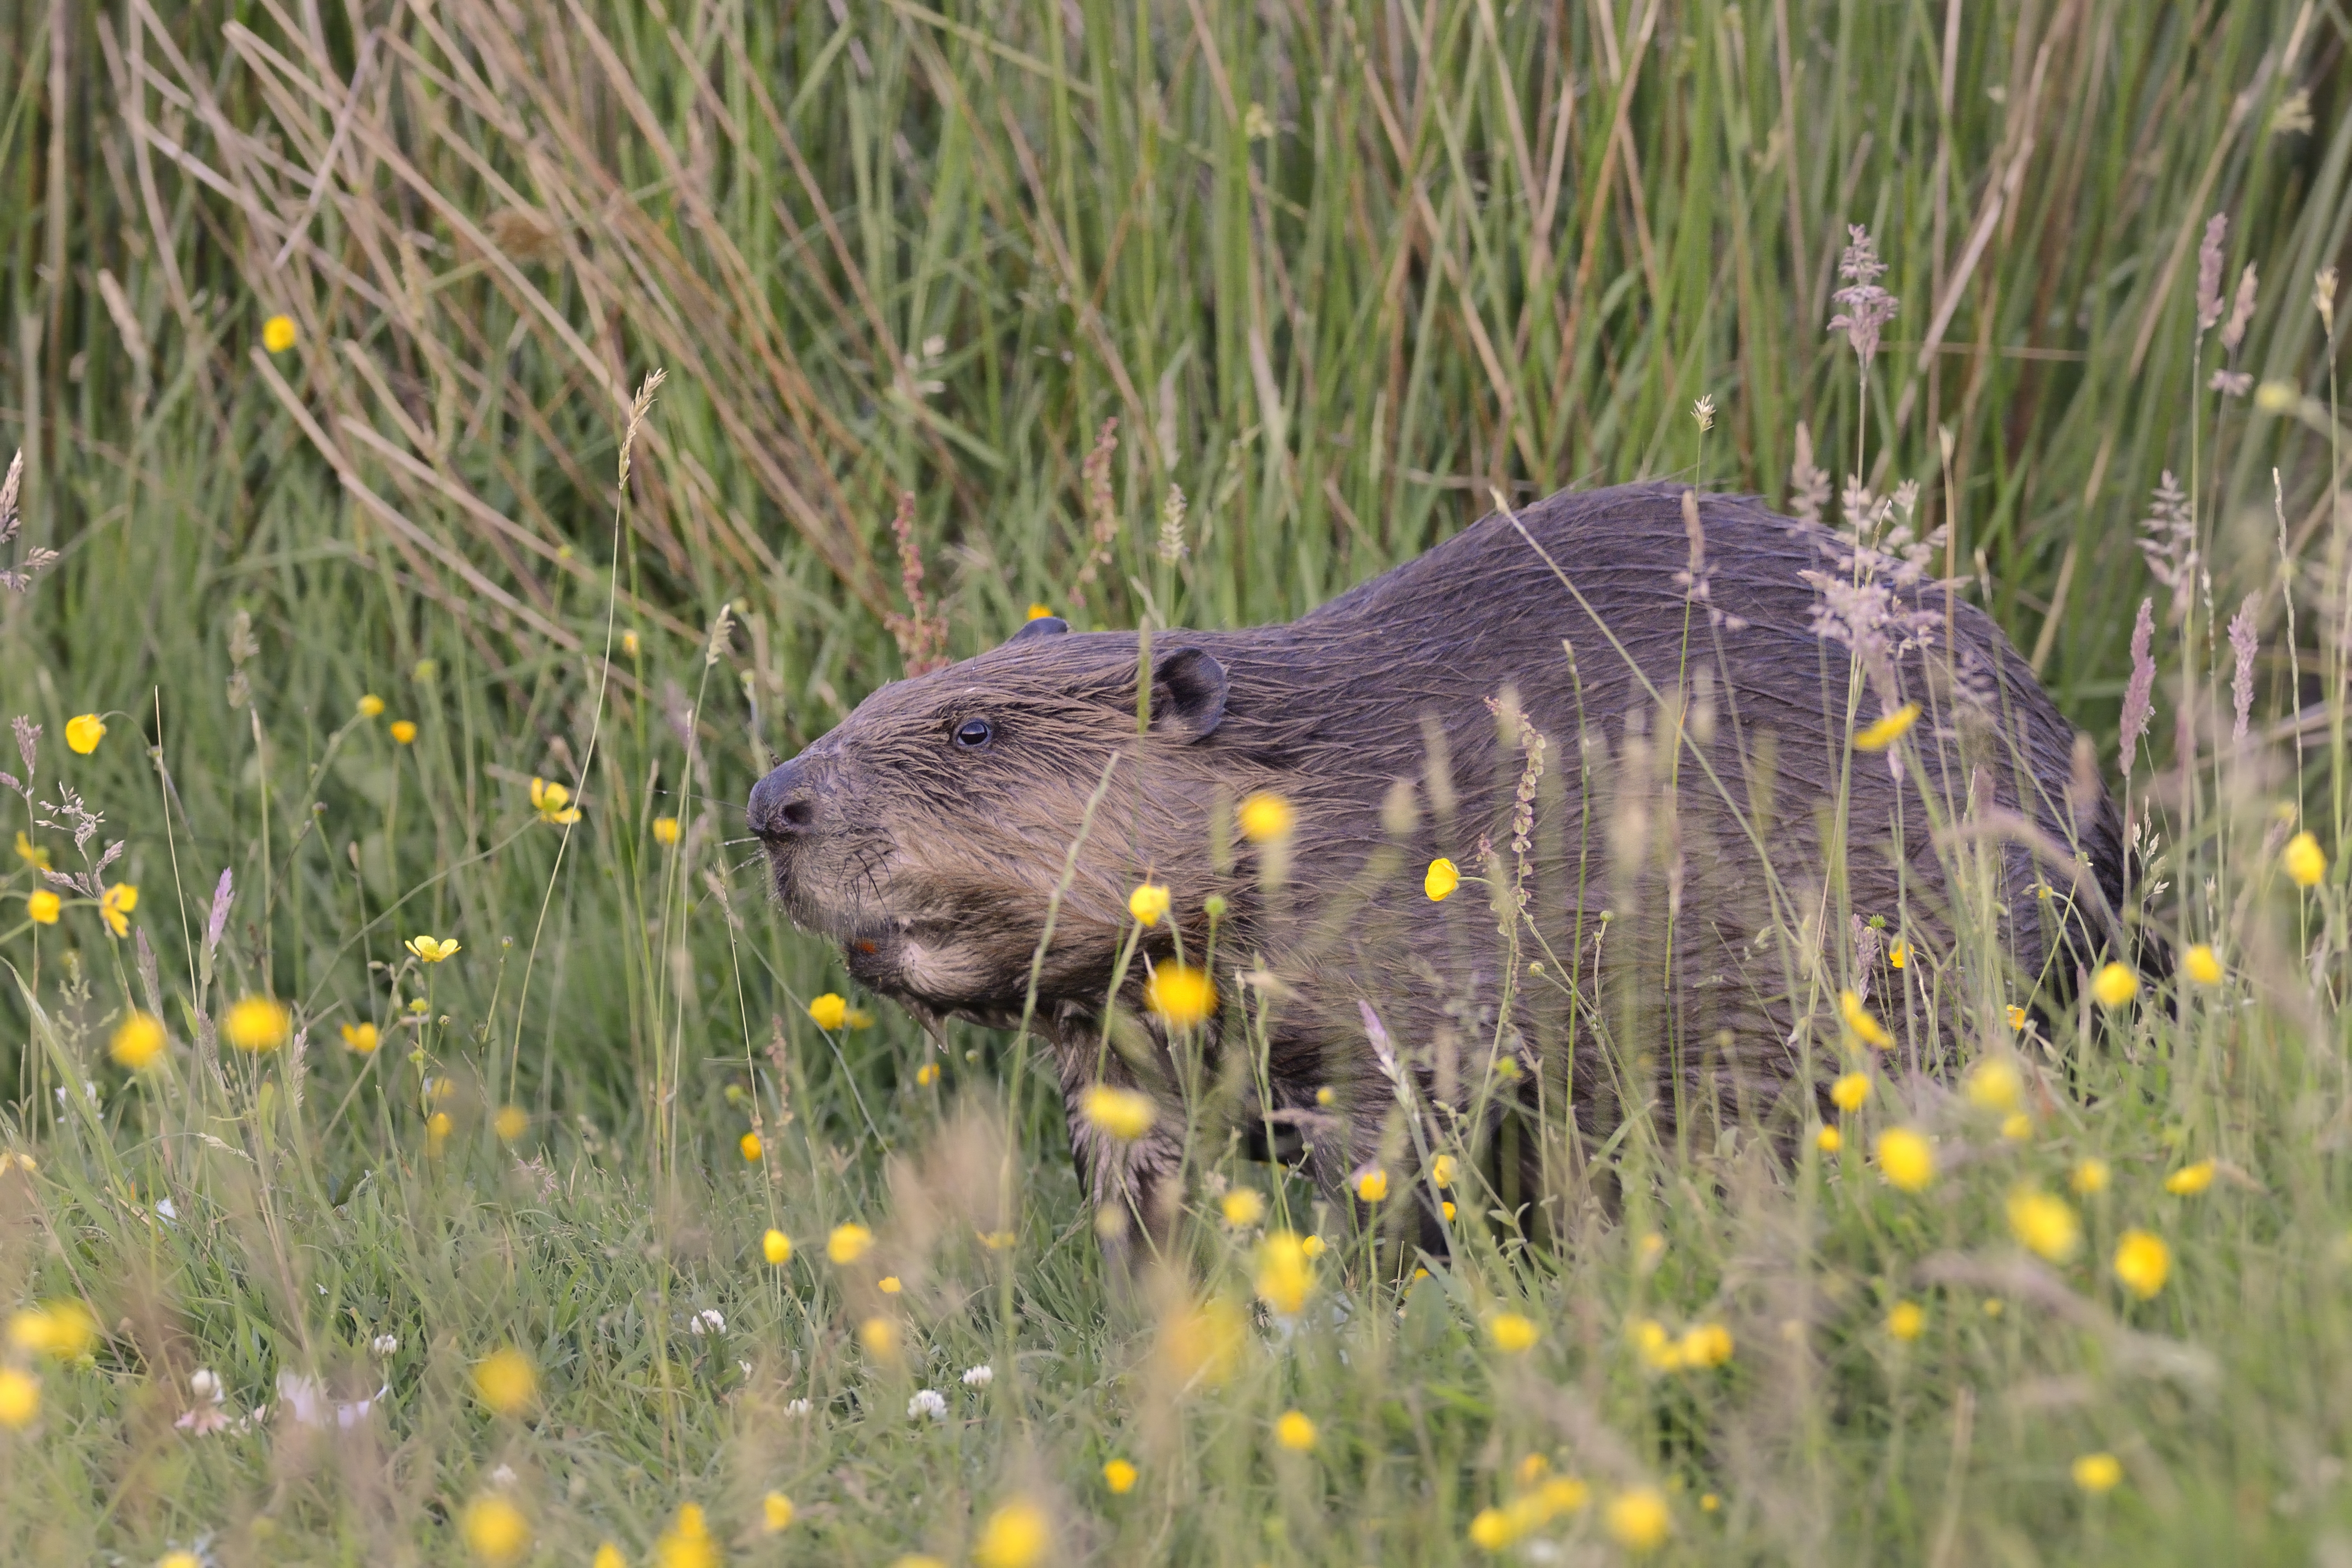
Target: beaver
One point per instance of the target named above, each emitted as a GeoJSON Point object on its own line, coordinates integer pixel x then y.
{"type": "Point", "coordinates": [1636, 723]}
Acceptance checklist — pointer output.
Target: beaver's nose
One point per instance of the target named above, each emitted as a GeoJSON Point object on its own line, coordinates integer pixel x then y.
{"type": "Point", "coordinates": [783, 804]}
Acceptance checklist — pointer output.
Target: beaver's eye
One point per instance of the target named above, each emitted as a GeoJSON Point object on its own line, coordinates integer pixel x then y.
{"type": "Point", "coordinates": [973, 733]}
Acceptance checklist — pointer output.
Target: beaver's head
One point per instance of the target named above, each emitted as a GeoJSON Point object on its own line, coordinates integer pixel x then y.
{"type": "Point", "coordinates": [931, 833]}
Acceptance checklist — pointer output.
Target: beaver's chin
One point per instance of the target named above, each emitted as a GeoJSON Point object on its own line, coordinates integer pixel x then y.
{"type": "Point", "coordinates": [937, 975]}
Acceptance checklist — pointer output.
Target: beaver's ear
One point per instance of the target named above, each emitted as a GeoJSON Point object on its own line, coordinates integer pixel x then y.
{"type": "Point", "coordinates": [1042, 626]}
{"type": "Point", "coordinates": [1188, 692]}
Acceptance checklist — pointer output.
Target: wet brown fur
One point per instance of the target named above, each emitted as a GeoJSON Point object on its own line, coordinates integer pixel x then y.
{"type": "Point", "coordinates": [936, 865]}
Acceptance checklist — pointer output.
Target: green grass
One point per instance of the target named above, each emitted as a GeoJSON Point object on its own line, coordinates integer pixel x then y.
{"type": "Point", "coordinates": [1335, 272]}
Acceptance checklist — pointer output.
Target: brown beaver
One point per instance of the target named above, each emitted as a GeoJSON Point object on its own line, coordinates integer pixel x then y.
{"type": "Point", "coordinates": [1627, 716]}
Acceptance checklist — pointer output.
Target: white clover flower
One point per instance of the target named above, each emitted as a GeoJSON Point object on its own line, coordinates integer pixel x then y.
{"type": "Point", "coordinates": [797, 1407]}
{"type": "Point", "coordinates": [707, 1322]}
{"type": "Point", "coordinates": [926, 1401]}
{"type": "Point", "coordinates": [980, 1376]}
{"type": "Point", "coordinates": [384, 1344]}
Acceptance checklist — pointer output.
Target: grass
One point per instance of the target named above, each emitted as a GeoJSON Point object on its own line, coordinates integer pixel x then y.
{"type": "Point", "coordinates": [1335, 273]}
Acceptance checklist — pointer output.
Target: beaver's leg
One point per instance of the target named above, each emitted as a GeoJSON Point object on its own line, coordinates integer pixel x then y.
{"type": "Point", "coordinates": [1132, 1184]}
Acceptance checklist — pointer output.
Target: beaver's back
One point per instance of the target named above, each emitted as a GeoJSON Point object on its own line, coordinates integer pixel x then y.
{"type": "Point", "coordinates": [1718, 853]}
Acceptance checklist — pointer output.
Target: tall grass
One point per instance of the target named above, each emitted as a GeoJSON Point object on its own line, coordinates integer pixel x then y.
{"type": "Point", "coordinates": [1338, 275]}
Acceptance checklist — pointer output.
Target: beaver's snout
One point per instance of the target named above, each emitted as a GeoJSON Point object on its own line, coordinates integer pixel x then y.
{"type": "Point", "coordinates": [783, 804]}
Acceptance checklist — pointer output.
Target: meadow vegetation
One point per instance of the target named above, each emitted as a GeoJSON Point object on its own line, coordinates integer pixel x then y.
{"type": "Point", "coordinates": [464, 442]}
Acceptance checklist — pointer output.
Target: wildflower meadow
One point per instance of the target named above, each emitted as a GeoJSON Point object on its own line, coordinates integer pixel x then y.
{"type": "Point", "coordinates": [464, 444]}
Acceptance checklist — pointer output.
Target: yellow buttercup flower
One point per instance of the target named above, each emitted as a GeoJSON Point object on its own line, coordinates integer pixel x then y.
{"type": "Point", "coordinates": [2044, 1224]}
{"type": "Point", "coordinates": [114, 906]}
{"type": "Point", "coordinates": [370, 706]}
{"type": "Point", "coordinates": [436, 1132]}
{"type": "Point", "coordinates": [1513, 1332]}
{"type": "Point", "coordinates": [2098, 1472]}
{"type": "Point", "coordinates": [1124, 1114]}
{"type": "Point", "coordinates": [1202, 1344]}
{"type": "Point", "coordinates": [2200, 965]}
{"type": "Point", "coordinates": [1119, 1476]}
{"type": "Point", "coordinates": [1829, 1140]}
{"type": "Point", "coordinates": [1180, 996]}
{"type": "Point", "coordinates": [629, 645]}
{"type": "Point", "coordinates": [2115, 985]}
{"type": "Point", "coordinates": [880, 1338]}
{"type": "Point", "coordinates": [30, 854]}
{"type": "Point", "coordinates": [748, 1146]}
{"type": "Point", "coordinates": [776, 1513]}
{"type": "Point", "coordinates": [1867, 1029]}
{"type": "Point", "coordinates": [20, 1398]}
{"type": "Point", "coordinates": [1906, 1159]}
{"type": "Point", "coordinates": [179, 1560]}
{"type": "Point", "coordinates": [258, 1024]}
{"type": "Point", "coordinates": [553, 803]}
{"type": "Point", "coordinates": [1372, 1185]}
{"type": "Point", "coordinates": [433, 950]}
{"type": "Point", "coordinates": [829, 1011]}
{"type": "Point", "coordinates": [1018, 1535]}
{"type": "Point", "coordinates": [1286, 1273]}
{"type": "Point", "coordinates": [1491, 1530]}
{"type": "Point", "coordinates": [2190, 1180]}
{"type": "Point", "coordinates": [2017, 1127]}
{"type": "Point", "coordinates": [1441, 1171]}
{"type": "Point", "coordinates": [608, 1556]}
{"type": "Point", "coordinates": [1704, 1345]}
{"type": "Point", "coordinates": [41, 907]}
{"type": "Point", "coordinates": [776, 1248]}
{"type": "Point", "coordinates": [1898, 954]}
{"type": "Point", "coordinates": [1148, 904]}
{"type": "Point", "coordinates": [496, 1529]}
{"type": "Point", "coordinates": [1888, 730]}
{"type": "Point", "coordinates": [1039, 610]}
{"type": "Point", "coordinates": [2016, 1016]}
{"type": "Point", "coordinates": [848, 1242]}
{"type": "Point", "coordinates": [2143, 1262]}
{"type": "Point", "coordinates": [1294, 1431]}
{"type": "Point", "coordinates": [2304, 861]}
{"type": "Point", "coordinates": [403, 730]}
{"type": "Point", "coordinates": [138, 1041]}
{"type": "Point", "coordinates": [1639, 1519]}
{"type": "Point", "coordinates": [1266, 818]}
{"type": "Point", "coordinates": [510, 1123]}
{"type": "Point", "coordinates": [859, 1018]}
{"type": "Point", "coordinates": [890, 1285]}
{"type": "Point", "coordinates": [506, 1381]}
{"type": "Point", "coordinates": [1907, 1320]}
{"type": "Point", "coordinates": [85, 730]}
{"type": "Point", "coordinates": [2088, 1177]}
{"type": "Point", "coordinates": [1850, 1091]}
{"type": "Point", "coordinates": [1440, 879]}
{"type": "Point", "coordinates": [60, 1330]}
{"type": "Point", "coordinates": [277, 334]}
{"type": "Point", "coordinates": [1656, 1347]}
{"type": "Point", "coordinates": [1994, 1084]}
{"type": "Point", "coordinates": [666, 831]}
{"type": "Point", "coordinates": [361, 1039]}
{"type": "Point", "coordinates": [1311, 1246]}
{"type": "Point", "coordinates": [687, 1543]}
{"type": "Point", "coordinates": [927, 1075]}
{"type": "Point", "coordinates": [1242, 1207]}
